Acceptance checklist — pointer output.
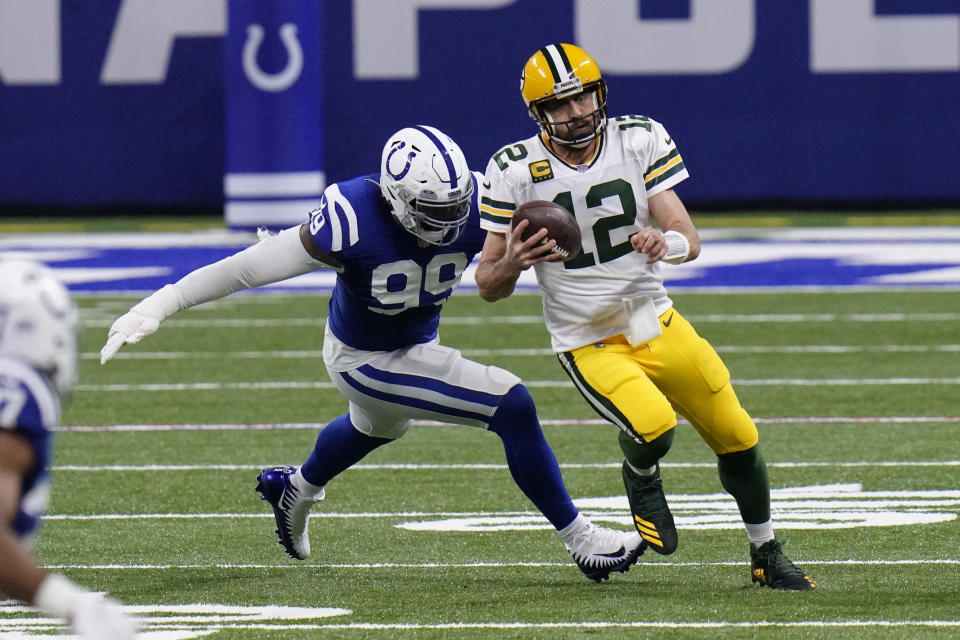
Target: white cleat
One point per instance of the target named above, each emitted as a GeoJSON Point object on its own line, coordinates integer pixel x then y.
{"type": "Point", "coordinates": [290, 509]}
{"type": "Point", "coordinates": [599, 551]}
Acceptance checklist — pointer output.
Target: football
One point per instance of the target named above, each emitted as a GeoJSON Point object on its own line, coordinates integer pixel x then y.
{"type": "Point", "coordinates": [559, 223]}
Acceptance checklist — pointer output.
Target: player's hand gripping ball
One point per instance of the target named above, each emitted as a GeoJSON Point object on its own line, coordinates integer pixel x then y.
{"type": "Point", "coordinates": [559, 223]}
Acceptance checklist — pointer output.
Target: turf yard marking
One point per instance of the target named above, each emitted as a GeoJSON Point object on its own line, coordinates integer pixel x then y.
{"type": "Point", "coordinates": [808, 382]}
{"type": "Point", "coordinates": [521, 353]}
{"type": "Point", "coordinates": [546, 384]}
{"type": "Point", "coordinates": [242, 516]}
{"type": "Point", "coordinates": [476, 565]}
{"type": "Point", "coordinates": [126, 468]}
{"type": "Point", "coordinates": [454, 626]}
{"type": "Point", "coordinates": [818, 507]}
{"type": "Point", "coordinates": [314, 426]}
{"type": "Point", "coordinates": [181, 622]}
{"type": "Point", "coordinates": [738, 318]}
{"type": "Point", "coordinates": [208, 386]}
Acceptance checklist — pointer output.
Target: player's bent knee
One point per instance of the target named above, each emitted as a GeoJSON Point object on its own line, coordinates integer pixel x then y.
{"type": "Point", "coordinates": [646, 454]}
{"type": "Point", "coordinates": [515, 410]}
{"type": "Point", "coordinates": [741, 463]}
{"type": "Point", "coordinates": [739, 434]}
{"type": "Point", "coordinates": [657, 419]}
{"type": "Point", "coordinates": [378, 426]}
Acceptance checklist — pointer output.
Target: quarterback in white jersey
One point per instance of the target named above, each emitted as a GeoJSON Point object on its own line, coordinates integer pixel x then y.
{"type": "Point", "coordinates": [632, 356]}
{"type": "Point", "coordinates": [586, 298]}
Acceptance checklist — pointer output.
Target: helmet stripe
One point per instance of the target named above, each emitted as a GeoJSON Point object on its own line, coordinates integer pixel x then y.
{"type": "Point", "coordinates": [563, 57]}
{"type": "Point", "coordinates": [557, 61]}
{"type": "Point", "coordinates": [451, 171]}
{"type": "Point", "coordinates": [553, 67]}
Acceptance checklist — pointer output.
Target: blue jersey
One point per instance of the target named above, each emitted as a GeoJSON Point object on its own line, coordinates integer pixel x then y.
{"type": "Point", "coordinates": [29, 408]}
{"type": "Point", "coordinates": [390, 290]}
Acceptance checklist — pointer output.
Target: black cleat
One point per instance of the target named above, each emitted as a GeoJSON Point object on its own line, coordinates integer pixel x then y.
{"type": "Point", "coordinates": [650, 511]}
{"type": "Point", "coordinates": [770, 566]}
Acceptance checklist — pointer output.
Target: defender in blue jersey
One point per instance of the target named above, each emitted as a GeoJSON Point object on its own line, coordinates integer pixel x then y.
{"type": "Point", "coordinates": [38, 364]}
{"type": "Point", "coordinates": [399, 241]}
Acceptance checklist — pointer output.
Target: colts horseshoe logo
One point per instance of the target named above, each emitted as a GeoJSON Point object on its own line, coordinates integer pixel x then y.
{"type": "Point", "coordinates": [272, 81]}
{"type": "Point", "coordinates": [410, 156]}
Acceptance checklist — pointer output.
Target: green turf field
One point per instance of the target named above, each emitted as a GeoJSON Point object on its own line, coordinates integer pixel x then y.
{"type": "Point", "coordinates": [856, 397]}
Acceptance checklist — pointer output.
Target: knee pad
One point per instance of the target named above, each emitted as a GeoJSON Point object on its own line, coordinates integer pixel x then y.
{"type": "Point", "coordinates": [516, 410]}
{"type": "Point", "coordinates": [644, 455]}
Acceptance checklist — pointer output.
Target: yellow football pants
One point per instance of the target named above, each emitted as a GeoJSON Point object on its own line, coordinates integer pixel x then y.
{"type": "Point", "coordinates": [641, 389]}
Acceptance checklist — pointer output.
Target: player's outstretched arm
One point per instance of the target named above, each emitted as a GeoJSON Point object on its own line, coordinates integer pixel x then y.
{"type": "Point", "coordinates": [272, 259]}
{"type": "Point", "coordinates": [504, 257]}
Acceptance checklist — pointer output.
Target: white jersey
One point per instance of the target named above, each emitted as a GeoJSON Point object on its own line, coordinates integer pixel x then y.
{"type": "Point", "coordinates": [589, 296]}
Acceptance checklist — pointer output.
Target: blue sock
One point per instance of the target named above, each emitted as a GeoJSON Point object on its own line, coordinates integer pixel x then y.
{"type": "Point", "coordinates": [531, 461]}
{"type": "Point", "coordinates": [339, 446]}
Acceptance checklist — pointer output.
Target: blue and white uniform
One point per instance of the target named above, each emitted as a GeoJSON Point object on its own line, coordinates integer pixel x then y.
{"type": "Point", "coordinates": [381, 344]}
{"type": "Point", "coordinates": [29, 408]}
{"type": "Point", "coordinates": [390, 292]}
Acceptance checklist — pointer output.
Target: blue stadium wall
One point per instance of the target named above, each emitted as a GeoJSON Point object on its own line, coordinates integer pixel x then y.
{"type": "Point", "coordinates": [856, 101]}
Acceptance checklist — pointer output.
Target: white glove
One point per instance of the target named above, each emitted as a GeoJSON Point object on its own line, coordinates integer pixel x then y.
{"type": "Point", "coordinates": [141, 321]}
{"type": "Point", "coordinates": [100, 618]}
{"type": "Point", "coordinates": [272, 259]}
{"type": "Point", "coordinates": [91, 615]}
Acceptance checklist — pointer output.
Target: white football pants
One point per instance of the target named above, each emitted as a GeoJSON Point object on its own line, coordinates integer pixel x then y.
{"type": "Point", "coordinates": [388, 389]}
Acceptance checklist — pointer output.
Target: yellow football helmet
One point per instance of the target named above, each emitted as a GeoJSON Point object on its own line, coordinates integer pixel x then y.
{"type": "Point", "coordinates": [555, 73]}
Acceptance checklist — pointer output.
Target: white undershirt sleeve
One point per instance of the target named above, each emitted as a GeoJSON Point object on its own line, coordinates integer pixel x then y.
{"type": "Point", "coordinates": [272, 259]}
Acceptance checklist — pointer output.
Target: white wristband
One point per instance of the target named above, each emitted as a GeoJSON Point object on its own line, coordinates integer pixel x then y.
{"type": "Point", "coordinates": [58, 596]}
{"type": "Point", "coordinates": [678, 247]}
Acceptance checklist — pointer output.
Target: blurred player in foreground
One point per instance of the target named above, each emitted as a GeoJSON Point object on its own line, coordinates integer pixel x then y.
{"type": "Point", "coordinates": [634, 358]}
{"type": "Point", "coordinates": [399, 241]}
{"type": "Point", "coordinates": [38, 365]}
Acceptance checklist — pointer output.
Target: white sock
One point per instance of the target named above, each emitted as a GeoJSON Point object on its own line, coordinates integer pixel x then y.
{"type": "Point", "coordinates": [643, 472]}
{"type": "Point", "coordinates": [307, 490]}
{"type": "Point", "coordinates": [759, 533]}
{"type": "Point", "coordinates": [569, 532]}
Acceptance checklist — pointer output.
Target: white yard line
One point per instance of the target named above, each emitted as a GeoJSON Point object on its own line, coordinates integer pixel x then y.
{"type": "Point", "coordinates": [548, 384]}
{"type": "Point", "coordinates": [314, 426]}
{"type": "Point", "coordinates": [449, 320]}
{"type": "Point", "coordinates": [197, 626]}
{"type": "Point", "coordinates": [124, 468]}
{"type": "Point", "coordinates": [665, 564]}
{"type": "Point", "coordinates": [456, 626]}
{"type": "Point", "coordinates": [307, 354]}
{"type": "Point", "coordinates": [265, 515]}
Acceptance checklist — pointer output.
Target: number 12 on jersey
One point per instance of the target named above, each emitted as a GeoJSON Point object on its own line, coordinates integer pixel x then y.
{"type": "Point", "coordinates": [602, 227]}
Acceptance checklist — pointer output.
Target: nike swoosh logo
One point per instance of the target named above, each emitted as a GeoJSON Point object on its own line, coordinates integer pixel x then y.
{"type": "Point", "coordinates": [669, 140]}
{"type": "Point", "coordinates": [667, 322]}
{"type": "Point", "coordinates": [616, 554]}
{"type": "Point", "coordinates": [486, 185]}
